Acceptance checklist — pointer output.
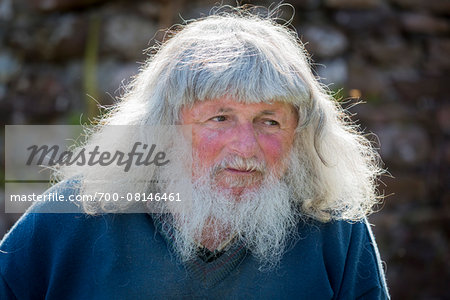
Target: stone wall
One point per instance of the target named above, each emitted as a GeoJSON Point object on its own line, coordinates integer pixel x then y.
{"type": "Point", "coordinates": [56, 56]}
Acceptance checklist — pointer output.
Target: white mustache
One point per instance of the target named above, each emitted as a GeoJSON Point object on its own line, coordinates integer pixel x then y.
{"type": "Point", "coordinates": [241, 164]}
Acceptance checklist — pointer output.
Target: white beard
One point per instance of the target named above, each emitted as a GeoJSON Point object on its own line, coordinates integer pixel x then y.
{"type": "Point", "coordinates": [263, 218]}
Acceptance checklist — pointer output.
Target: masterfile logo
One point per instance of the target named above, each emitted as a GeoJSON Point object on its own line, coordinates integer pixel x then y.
{"type": "Point", "coordinates": [36, 154]}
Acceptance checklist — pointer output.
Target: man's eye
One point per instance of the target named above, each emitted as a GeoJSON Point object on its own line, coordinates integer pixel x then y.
{"type": "Point", "coordinates": [219, 118]}
{"type": "Point", "coordinates": [271, 122]}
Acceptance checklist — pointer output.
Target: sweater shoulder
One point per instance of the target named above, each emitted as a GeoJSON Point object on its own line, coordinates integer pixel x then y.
{"type": "Point", "coordinates": [335, 234]}
{"type": "Point", "coordinates": [350, 256]}
{"type": "Point", "coordinates": [44, 244]}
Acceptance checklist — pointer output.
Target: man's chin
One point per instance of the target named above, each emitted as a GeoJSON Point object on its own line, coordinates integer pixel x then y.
{"type": "Point", "coordinates": [237, 190]}
{"type": "Point", "coordinates": [238, 182]}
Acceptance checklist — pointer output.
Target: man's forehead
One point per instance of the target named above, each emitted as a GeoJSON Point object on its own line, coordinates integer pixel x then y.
{"type": "Point", "coordinates": [227, 109]}
{"type": "Point", "coordinates": [226, 105]}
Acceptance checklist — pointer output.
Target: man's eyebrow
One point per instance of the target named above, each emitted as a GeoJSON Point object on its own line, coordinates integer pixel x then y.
{"type": "Point", "coordinates": [224, 109]}
{"type": "Point", "coordinates": [267, 112]}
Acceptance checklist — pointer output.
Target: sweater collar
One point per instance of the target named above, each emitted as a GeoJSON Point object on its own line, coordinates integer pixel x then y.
{"type": "Point", "coordinates": [208, 267]}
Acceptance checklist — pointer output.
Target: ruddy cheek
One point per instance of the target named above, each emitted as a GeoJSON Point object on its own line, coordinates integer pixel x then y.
{"type": "Point", "coordinates": [272, 147]}
{"type": "Point", "coordinates": [207, 144]}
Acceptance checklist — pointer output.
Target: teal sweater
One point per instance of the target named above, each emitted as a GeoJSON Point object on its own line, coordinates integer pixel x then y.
{"type": "Point", "coordinates": [128, 256]}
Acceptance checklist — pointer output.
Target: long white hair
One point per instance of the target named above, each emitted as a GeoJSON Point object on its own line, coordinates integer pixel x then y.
{"type": "Point", "coordinates": [250, 59]}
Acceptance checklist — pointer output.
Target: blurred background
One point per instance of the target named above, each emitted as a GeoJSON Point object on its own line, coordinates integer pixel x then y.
{"type": "Point", "coordinates": [56, 56]}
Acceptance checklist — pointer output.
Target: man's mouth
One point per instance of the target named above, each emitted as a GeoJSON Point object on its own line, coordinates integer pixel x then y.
{"type": "Point", "coordinates": [241, 171]}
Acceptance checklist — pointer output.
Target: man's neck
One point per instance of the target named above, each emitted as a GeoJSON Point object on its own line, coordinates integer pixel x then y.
{"type": "Point", "coordinates": [213, 245]}
{"type": "Point", "coordinates": [215, 237]}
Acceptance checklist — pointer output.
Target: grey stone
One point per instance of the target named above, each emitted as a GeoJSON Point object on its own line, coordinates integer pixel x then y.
{"type": "Point", "coordinates": [2, 91]}
{"type": "Point", "coordinates": [426, 89]}
{"type": "Point", "coordinates": [53, 38]}
{"type": "Point", "coordinates": [150, 9]}
{"type": "Point", "coordinates": [73, 81]}
{"type": "Point", "coordinates": [9, 66]}
{"type": "Point", "coordinates": [334, 73]}
{"type": "Point", "coordinates": [46, 90]}
{"type": "Point", "coordinates": [437, 6]}
{"type": "Point", "coordinates": [128, 35]}
{"type": "Point", "coordinates": [374, 114]}
{"type": "Point", "coordinates": [56, 5]}
{"type": "Point", "coordinates": [201, 8]}
{"type": "Point", "coordinates": [21, 35]}
{"type": "Point", "coordinates": [390, 50]}
{"type": "Point", "coordinates": [6, 10]}
{"type": "Point", "coordinates": [38, 93]}
{"type": "Point", "coordinates": [323, 41]}
{"type": "Point", "coordinates": [403, 144]}
{"type": "Point", "coordinates": [18, 117]}
{"type": "Point", "coordinates": [62, 103]}
{"type": "Point", "coordinates": [424, 23]}
{"type": "Point", "coordinates": [354, 4]}
{"type": "Point", "coordinates": [405, 72]}
{"type": "Point", "coordinates": [438, 54]}
{"type": "Point", "coordinates": [446, 160]}
{"type": "Point", "coordinates": [405, 187]}
{"type": "Point", "coordinates": [362, 22]}
{"type": "Point", "coordinates": [305, 4]}
{"type": "Point", "coordinates": [112, 77]}
{"type": "Point", "coordinates": [66, 37]}
{"type": "Point", "coordinates": [443, 118]}
{"type": "Point", "coordinates": [371, 81]}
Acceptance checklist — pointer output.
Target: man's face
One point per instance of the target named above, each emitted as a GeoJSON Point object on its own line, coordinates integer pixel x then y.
{"type": "Point", "coordinates": [240, 143]}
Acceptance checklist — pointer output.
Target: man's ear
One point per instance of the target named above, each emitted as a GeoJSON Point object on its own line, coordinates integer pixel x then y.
{"type": "Point", "coordinates": [180, 115]}
{"type": "Point", "coordinates": [296, 110]}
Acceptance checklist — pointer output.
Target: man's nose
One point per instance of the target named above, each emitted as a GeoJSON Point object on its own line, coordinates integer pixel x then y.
{"type": "Point", "coordinates": [245, 142]}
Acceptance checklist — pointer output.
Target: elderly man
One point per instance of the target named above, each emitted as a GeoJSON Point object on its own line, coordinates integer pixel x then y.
{"type": "Point", "coordinates": [281, 186]}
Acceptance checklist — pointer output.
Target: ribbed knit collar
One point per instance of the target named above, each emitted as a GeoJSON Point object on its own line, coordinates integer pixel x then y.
{"type": "Point", "coordinates": [207, 273]}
